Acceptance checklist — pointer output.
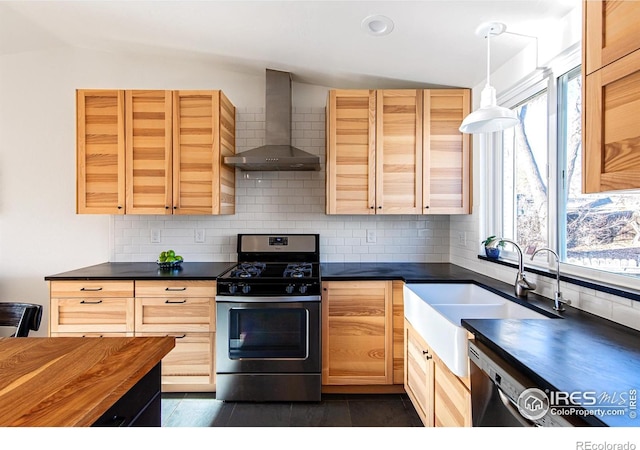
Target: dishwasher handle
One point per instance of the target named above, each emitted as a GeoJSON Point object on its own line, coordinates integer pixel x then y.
{"type": "Point", "coordinates": [511, 407]}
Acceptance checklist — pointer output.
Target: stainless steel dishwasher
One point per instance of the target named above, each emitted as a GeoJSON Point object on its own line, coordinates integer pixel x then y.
{"type": "Point", "coordinates": [503, 397]}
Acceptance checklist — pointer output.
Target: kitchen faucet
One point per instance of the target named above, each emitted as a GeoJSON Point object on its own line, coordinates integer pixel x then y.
{"type": "Point", "coordinates": [558, 295]}
{"type": "Point", "coordinates": [522, 286]}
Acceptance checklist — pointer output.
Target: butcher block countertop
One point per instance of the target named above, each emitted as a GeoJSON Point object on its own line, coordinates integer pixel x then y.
{"type": "Point", "coordinates": [68, 381]}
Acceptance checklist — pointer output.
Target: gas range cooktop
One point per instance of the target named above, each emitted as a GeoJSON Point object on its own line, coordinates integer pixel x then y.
{"type": "Point", "coordinates": [274, 265]}
{"type": "Point", "coordinates": [271, 271]}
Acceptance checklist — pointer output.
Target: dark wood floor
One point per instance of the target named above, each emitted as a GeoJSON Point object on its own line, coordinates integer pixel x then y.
{"type": "Point", "coordinates": [335, 410]}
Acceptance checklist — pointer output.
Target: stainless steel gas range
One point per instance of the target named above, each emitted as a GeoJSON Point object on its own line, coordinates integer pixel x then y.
{"type": "Point", "coordinates": [268, 320]}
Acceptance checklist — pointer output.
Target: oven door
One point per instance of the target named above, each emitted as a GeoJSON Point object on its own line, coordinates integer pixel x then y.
{"type": "Point", "coordinates": [274, 335]}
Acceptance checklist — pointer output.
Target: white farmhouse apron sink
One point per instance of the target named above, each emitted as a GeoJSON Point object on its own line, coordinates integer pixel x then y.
{"type": "Point", "coordinates": [436, 311]}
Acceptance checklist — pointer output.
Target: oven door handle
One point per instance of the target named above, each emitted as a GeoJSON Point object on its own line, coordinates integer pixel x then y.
{"type": "Point", "coordinates": [272, 299]}
{"type": "Point", "coordinates": [508, 403]}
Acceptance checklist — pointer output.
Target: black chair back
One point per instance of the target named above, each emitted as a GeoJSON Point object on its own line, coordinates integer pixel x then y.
{"type": "Point", "coordinates": [23, 316]}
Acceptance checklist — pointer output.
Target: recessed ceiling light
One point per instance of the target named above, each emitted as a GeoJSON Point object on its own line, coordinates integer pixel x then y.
{"type": "Point", "coordinates": [377, 25]}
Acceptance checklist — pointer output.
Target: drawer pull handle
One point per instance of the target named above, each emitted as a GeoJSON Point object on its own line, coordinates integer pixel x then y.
{"type": "Point", "coordinates": [91, 289]}
{"type": "Point", "coordinates": [177, 337]}
{"type": "Point", "coordinates": [176, 301]}
{"type": "Point", "coordinates": [85, 336]}
{"type": "Point", "coordinates": [175, 289]}
{"type": "Point", "coordinates": [86, 302]}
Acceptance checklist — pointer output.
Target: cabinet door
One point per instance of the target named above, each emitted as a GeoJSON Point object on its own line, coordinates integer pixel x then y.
{"type": "Point", "coordinates": [447, 152]}
{"type": "Point", "coordinates": [351, 152]}
{"type": "Point", "coordinates": [452, 399]}
{"type": "Point", "coordinates": [357, 347]}
{"type": "Point", "coordinates": [189, 367]}
{"type": "Point", "coordinates": [419, 374]}
{"type": "Point", "coordinates": [399, 152]}
{"type": "Point", "coordinates": [610, 31]}
{"type": "Point", "coordinates": [148, 150]}
{"type": "Point", "coordinates": [611, 136]}
{"type": "Point", "coordinates": [398, 331]}
{"type": "Point", "coordinates": [100, 159]}
{"type": "Point", "coordinates": [203, 134]}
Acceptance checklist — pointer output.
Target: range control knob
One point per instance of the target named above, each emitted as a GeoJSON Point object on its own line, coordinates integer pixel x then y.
{"type": "Point", "coordinates": [289, 289]}
{"type": "Point", "coordinates": [246, 289]}
{"type": "Point", "coordinates": [232, 288]}
{"type": "Point", "coordinates": [303, 289]}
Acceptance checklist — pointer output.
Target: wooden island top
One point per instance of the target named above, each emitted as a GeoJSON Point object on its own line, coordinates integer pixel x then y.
{"type": "Point", "coordinates": [69, 381]}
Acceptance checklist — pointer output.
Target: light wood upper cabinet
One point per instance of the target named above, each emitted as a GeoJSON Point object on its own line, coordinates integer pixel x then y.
{"type": "Point", "coordinates": [611, 31]}
{"type": "Point", "coordinates": [447, 152]}
{"type": "Point", "coordinates": [100, 161]}
{"type": "Point", "coordinates": [155, 152]}
{"type": "Point", "coordinates": [398, 152]}
{"type": "Point", "coordinates": [204, 133]}
{"type": "Point", "coordinates": [611, 96]}
{"type": "Point", "coordinates": [351, 163]}
{"type": "Point", "coordinates": [148, 149]}
{"type": "Point", "coordinates": [357, 333]}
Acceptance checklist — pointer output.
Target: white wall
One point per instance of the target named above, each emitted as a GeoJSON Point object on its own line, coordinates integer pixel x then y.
{"type": "Point", "coordinates": [473, 228]}
{"type": "Point", "coordinates": [41, 235]}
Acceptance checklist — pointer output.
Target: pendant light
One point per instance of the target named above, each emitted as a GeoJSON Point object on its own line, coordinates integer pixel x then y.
{"type": "Point", "coordinates": [489, 117]}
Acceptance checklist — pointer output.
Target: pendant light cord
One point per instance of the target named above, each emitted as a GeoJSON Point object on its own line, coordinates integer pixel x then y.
{"type": "Point", "coordinates": [488, 57]}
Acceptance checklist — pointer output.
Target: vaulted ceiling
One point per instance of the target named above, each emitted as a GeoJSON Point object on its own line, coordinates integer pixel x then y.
{"type": "Point", "coordinates": [320, 42]}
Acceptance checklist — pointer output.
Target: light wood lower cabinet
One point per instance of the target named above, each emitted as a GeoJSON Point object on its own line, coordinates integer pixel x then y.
{"type": "Point", "coordinates": [91, 307]}
{"type": "Point", "coordinates": [357, 333]}
{"type": "Point", "coordinates": [189, 367]}
{"type": "Point", "coordinates": [184, 309]}
{"type": "Point", "coordinates": [452, 398]}
{"type": "Point", "coordinates": [440, 398]}
{"type": "Point", "coordinates": [419, 374]}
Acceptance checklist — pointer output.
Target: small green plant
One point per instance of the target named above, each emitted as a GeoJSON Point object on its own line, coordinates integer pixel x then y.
{"type": "Point", "coordinates": [490, 239]}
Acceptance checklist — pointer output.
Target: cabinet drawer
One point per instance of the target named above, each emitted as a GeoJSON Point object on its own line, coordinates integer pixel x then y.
{"type": "Point", "coordinates": [191, 360]}
{"type": "Point", "coordinates": [175, 314]}
{"type": "Point", "coordinates": [186, 288]}
{"type": "Point", "coordinates": [89, 335]}
{"type": "Point", "coordinates": [91, 289]}
{"type": "Point", "coordinates": [100, 315]}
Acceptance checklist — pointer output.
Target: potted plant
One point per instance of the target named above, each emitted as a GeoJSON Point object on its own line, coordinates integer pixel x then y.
{"type": "Point", "coordinates": [494, 250]}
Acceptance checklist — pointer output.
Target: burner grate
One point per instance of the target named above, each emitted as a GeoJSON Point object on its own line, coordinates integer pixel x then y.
{"type": "Point", "coordinates": [298, 270]}
{"type": "Point", "coordinates": [248, 270]}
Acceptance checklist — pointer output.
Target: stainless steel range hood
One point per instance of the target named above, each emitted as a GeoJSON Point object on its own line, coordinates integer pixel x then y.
{"type": "Point", "coordinates": [277, 154]}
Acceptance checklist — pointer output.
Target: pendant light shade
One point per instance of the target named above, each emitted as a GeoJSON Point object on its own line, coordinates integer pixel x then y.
{"type": "Point", "coordinates": [489, 117]}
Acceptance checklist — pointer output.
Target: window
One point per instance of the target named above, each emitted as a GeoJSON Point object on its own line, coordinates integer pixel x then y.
{"type": "Point", "coordinates": [525, 182]}
{"type": "Point", "coordinates": [599, 231]}
{"type": "Point", "coordinates": [541, 198]}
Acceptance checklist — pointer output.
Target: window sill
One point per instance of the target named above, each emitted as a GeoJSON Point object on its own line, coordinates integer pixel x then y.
{"type": "Point", "coordinates": [620, 292]}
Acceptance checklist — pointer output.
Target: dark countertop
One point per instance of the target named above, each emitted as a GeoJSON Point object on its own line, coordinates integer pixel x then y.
{"type": "Point", "coordinates": [577, 351]}
{"type": "Point", "coordinates": [582, 353]}
{"type": "Point", "coordinates": [145, 271]}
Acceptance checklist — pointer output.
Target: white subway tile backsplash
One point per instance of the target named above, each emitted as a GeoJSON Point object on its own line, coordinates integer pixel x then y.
{"type": "Point", "coordinates": [286, 202]}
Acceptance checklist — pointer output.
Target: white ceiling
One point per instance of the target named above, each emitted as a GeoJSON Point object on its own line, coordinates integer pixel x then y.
{"type": "Point", "coordinates": [320, 42]}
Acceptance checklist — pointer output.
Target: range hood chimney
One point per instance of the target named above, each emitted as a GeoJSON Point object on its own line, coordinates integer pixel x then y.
{"type": "Point", "coordinates": [277, 154]}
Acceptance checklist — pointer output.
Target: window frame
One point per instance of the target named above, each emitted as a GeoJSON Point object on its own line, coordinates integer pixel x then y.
{"type": "Point", "coordinates": [548, 78]}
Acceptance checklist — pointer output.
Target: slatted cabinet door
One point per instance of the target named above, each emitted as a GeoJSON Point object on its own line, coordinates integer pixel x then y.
{"type": "Point", "coordinates": [399, 152]}
{"type": "Point", "coordinates": [100, 134]}
{"type": "Point", "coordinates": [351, 152]}
{"type": "Point", "coordinates": [447, 152]}
{"type": "Point", "coordinates": [148, 150]}
{"type": "Point", "coordinates": [204, 133]}
{"type": "Point", "coordinates": [612, 31]}
{"type": "Point", "coordinates": [357, 336]}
